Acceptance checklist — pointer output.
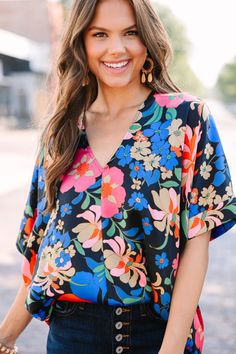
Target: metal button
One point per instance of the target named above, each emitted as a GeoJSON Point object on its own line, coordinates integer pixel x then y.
{"type": "Point", "coordinates": [119, 349]}
{"type": "Point", "coordinates": [119, 311]}
{"type": "Point", "coordinates": [118, 325]}
{"type": "Point", "coordinates": [119, 337]}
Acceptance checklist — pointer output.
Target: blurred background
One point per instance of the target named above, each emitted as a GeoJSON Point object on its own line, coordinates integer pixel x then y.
{"type": "Point", "coordinates": [203, 39]}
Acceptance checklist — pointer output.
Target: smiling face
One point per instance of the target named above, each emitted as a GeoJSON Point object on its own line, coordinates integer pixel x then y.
{"type": "Point", "coordinates": [115, 53]}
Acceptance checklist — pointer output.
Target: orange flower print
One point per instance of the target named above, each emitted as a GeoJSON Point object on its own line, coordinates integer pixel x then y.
{"type": "Point", "coordinates": [166, 215]}
{"type": "Point", "coordinates": [192, 138]}
{"type": "Point", "coordinates": [89, 233]}
{"type": "Point", "coordinates": [194, 196]}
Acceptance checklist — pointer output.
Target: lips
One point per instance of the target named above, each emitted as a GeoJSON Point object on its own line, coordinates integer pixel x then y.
{"type": "Point", "coordinates": [119, 69]}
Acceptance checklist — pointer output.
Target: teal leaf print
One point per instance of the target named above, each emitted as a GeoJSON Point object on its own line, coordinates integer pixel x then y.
{"type": "Point", "coordinates": [111, 230]}
{"type": "Point", "coordinates": [169, 184]}
{"type": "Point", "coordinates": [86, 202]}
{"type": "Point", "coordinates": [79, 247]}
{"type": "Point", "coordinates": [184, 222]}
{"type": "Point", "coordinates": [29, 211]}
{"type": "Point", "coordinates": [108, 276]}
{"type": "Point", "coordinates": [171, 113]}
{"type": "Point", "coordinates": [178, 172]}
{"type": "Point", "coordinates": [167, 281]}
{"type": "Point", "coordinates": [156, 116]}
{"type": "Point", "coordinates": [135, 127]}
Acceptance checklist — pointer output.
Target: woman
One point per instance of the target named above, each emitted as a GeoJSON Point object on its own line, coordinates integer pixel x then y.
{"type": "Point", "coordinates": [130, 185]}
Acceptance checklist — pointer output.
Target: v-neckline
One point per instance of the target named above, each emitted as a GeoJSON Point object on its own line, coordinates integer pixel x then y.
{"type": "Point", "coordinates": [137, 118]}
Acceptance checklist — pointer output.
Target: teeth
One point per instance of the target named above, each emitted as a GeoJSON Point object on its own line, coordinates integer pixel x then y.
{"type": "Point", "coordinates": [118, 65]}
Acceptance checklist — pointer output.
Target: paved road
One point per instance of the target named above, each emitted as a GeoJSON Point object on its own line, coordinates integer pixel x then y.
{"type": "Point", "coordinates": [218, 300]}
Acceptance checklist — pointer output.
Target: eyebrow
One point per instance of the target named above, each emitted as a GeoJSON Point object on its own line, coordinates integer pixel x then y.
{"type": "Point", "coordinates": [105, 29]}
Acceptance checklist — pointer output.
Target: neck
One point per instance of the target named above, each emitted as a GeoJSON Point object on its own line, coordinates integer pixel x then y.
{"type": "Point", "coordinates": [111, 101]}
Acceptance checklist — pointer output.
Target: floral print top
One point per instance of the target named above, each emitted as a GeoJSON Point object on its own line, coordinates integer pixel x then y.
{"type": "Point", "coordinates": [116, 233]}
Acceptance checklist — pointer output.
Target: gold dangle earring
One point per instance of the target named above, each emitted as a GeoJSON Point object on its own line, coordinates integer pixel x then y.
{"type": "Point", "coordinates": [86, 80]}
{"type": "Point", "coordinates": [148, 71]}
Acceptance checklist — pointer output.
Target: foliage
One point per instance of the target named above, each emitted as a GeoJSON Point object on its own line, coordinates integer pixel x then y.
{"type": "Point", "coordinates": [226, 83]}
{"type": "Point", "coordinates": [180, 69]}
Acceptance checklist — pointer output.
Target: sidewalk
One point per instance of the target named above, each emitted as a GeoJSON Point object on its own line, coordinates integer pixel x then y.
{"type": "Point", "coordinates": [218, 300]}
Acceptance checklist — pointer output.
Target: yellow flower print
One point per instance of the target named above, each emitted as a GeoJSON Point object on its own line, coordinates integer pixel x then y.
{"type": "Point", "coordinates": [208, 195]}
{"type": "Point", "coordinates": [176, 133]}
{"type": "Point", "coordinates": [205, 170]}
{"type": "Point", "coordinates": [151, 161]}
{"type": "Point", "coordinates": [208, 151]}
{"type": "Point", "coordinates": [140, 149]}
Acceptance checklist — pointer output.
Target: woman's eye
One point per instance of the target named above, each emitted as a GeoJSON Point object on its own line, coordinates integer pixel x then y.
{"type": "Point", "coordinates": [99, 34]}
{"type": "Point", "coordinates": [133, 32]}
{"type": "Point", "coordinates": [102, 34]}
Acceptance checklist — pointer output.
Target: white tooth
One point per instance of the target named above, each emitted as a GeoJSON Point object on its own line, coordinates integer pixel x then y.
{"type": "Point", "coordinates": [116, 65]}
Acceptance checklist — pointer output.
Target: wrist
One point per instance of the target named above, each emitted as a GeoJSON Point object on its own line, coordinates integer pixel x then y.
{"type": "Point", "coordinates": [7, 338]}
{"type": "Point", "coordinates": [7, 349]}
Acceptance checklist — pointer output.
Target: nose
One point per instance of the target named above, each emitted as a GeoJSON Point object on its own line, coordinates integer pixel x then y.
{"type": "Point", "coordinates": [116, 46]}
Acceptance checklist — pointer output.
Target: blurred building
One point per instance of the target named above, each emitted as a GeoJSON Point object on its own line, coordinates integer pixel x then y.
{"type": "Point", "coordinates": [29, 35]}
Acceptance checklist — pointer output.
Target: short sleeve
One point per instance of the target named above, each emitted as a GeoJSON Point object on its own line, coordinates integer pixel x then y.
{"type": "Point", "coordinates": [207, 199]}
{"type": "Point", "coordinates": [34, 221]}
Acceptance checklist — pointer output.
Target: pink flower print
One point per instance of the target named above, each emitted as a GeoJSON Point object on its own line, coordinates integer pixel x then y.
{"type": "Point", "coordinates": [124, 263]}
{"type": "Point", "coordinates": [199, 327]}
{"type": "Point", "coordinates": [113, 194]}
{"type": "Point", "coordinates": [172, 100]}
{"type": "Point", "coordinates": [90, 233]}
{"type": "Point", "coordinates": [175, 264]}
{"type": "Point", "coordinates": [82, 174]}
{"type": "Point", "coordinates": [166, 213]}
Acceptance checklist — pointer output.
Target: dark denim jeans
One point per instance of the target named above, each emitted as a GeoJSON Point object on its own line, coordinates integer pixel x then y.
{"type": "Point", "coordinates": [84, 328]}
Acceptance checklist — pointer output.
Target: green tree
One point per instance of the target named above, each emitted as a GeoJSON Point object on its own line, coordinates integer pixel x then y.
{"type": "Point", "coordinates": [226, 82]}
{"type": "Point", "coordinates": [180, 70]}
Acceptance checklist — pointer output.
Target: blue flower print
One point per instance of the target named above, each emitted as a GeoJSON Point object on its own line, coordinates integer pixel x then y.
{"type": "Point", "coordinates": [137, 170]}
{"type": "Point", "coordinates": [193, 210]}
{"type": "Point", "coordinates": [147, 226]}
{"type": "Point", "coordinates": [157, 131]}
{"type": "Point", "coordinates": [41, 178]}
{"type": "Point", "coordinates": [161, 147]}
{"type": "Point", "coordinates": [169, 161]}
{"type": "Point", "coordinates": [66, 209]}
{"type": "Point", "coordinates": [62, 259]}
{"type": "Point", "coordinates": [161, 261]}
{"type": "Point", "coordinates": [162, 309]}
{"type": "Point", "coordinates": [189, 345]}
{"type": "Point", "coordinates": [123, 154]}
{"type": "Point", "coordinates": [138, 201]}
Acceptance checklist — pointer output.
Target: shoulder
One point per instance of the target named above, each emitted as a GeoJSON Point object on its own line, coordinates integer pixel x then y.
{"type": "Point", "coordinates": [178, 99]}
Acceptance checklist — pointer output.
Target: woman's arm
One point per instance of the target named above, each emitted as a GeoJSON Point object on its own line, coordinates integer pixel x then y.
{"type": "Point", "coordinates": [186, 293]}
{"type": "Point", "coordinates": [16, 319]}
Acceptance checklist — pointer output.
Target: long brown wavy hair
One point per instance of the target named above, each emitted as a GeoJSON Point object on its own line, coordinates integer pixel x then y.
{"type": "Point", "coordinates": [61, 133]}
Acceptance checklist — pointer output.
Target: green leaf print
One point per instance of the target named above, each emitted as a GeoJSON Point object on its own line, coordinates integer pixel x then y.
{"type": "Point", "coordinates": [178, 173]}
{"type": "Point", "coordinates": [169, 184]}
{"type": "Point", "coordinates": [122, 223]}
{"type": "Point", "coordinates": [99, 268]}
{"type": "Point", "coordinates": [79, 247]}
{"type": "Point", "coordinates": [156, 115]}
{"type": "Point", "coordinates": [131, 300]}
{"type": "Point", "coordinates": [167, 281]}
{"type": "Point", "coordinates": [125, 214]}
{"type": "Point", "coordinates": [111, 230]}
{"type": "Point", "coordinates": [86, 202]}
{"type": "Point", "coordinates": [231, 208]}
{"type": "Point", "coordinates": [108, 276]}
{"type": "Point", "coordinates": [171, 113]}
{"type": "Point", "coordinates": [29, 210]}
{"type": "Point", "coordinates": [135, 127]}
{"type": "Point", "coordinates": [184, 223]}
